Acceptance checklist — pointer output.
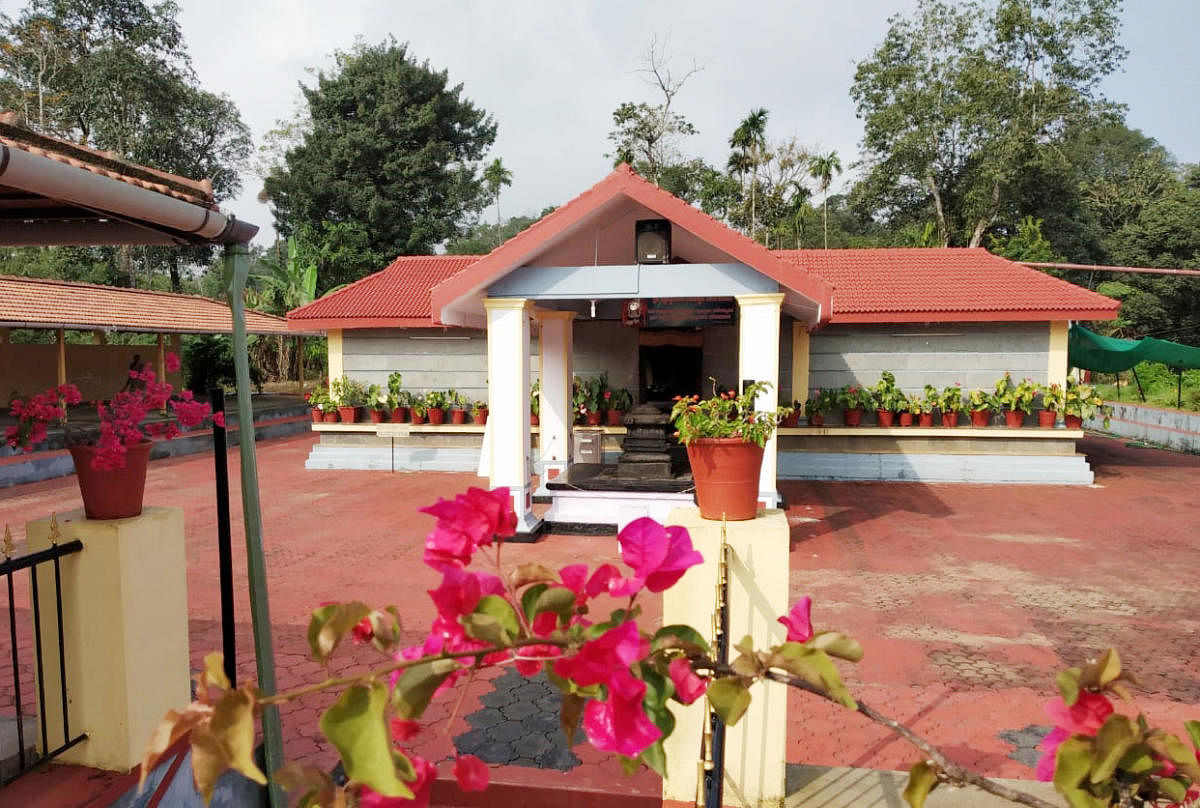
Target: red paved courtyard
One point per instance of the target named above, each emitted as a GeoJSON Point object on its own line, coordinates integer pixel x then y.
{"type": "Point", "coordinates": [967, 598]}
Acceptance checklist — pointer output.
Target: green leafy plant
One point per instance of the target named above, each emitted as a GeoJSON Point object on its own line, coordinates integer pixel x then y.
{"type": "Point", "coordinates": [982, 400]}
{"type": "Point", "coordinates": [456, 400]}
{"type": "Point", "coordinates": [1084, 402]}
{"type": "Point", "coordinates": [726, 415]}
{"type": "Point", "coordinates": [589, 396]}
{"type": "Point", "coordinates": [376, 398]}
{"type": "Point", "coordinates": [853, 397]}
{"type": "Point", "coordinates": [950, 399]}
{"type": "Point", "coordinates": [919, 404]}
{"type": "Point", "coordinates": [347, 392]}
{"type": "Point", "coordinates": [621, 400]}
{"type": "Point", "coordinates": [436, 400]}
{"type": "Point", "coordinates": [821, 401]}
{"type": "Point", "coordinates": [887, 395]}
{"type": "Point", "coordinates": [478, 408]}
{"type": "Point", "coordinates": [319, 399]}
{"type": "Point", "coordinates": [1053, 396]}
{"type": "Point", "coordinates": [1018, 396]}
{"type": "Point", "coordinates": [395, 386]}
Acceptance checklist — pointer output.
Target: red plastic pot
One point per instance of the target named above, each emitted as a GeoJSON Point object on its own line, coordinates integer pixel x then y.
{"type": "Point", "coordinates": [400, 415]}
{"type": "Point", "coordinates": [458, 416]}
{"type": "Point", "coordinates": [615, 417]}
{"type": "Point", "coordinates": [925, 419]}
{"type": "Point", "coordinates": [436, 416]}
{"type": "Point", "coordinates": [349, 415]}
{"type": "Point", "coordinates": [792, 420]}
{"type": "Point", "coordinates": [317, 416]}
{"type": "Point", "coordinates": [980, 418]}
{"type": "Point", "coordinates": [593, 419]}
{"type": "Point", "coordinates": [533, 420]}
{"type": "Point", "coordinates": [852, 417]}
{"type": "Point", "coordinates": [1073, 421]}
{"type": "Point", "coordinates": [949, 419]}
{"type": "Point", "coordinates": [481, 418]}
{"type": "Point", "coordinates": [1013, 419]}
{"type": "Point", "coordinates": [116, 493]}
{"type": "Point", "coordinates": [885, 418]}
{"type": "Point", "coordinates": [726, 474]}
{"type": "Point", "coordinates": [1047, 418]}
{"type": "Point", "coordinates": [331, 417]}
{"type": "Point", "coordinates": [378, 416]}
{"type": "Point", "coordinates": [816, 419]}
{"type": "Point", "coordinates": [906, 419]}
{"type": "Point", "coordinates": [417, 418]}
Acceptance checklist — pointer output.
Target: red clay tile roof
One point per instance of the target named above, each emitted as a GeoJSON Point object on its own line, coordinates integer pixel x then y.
{"type": "Point", "coordinates": [107, 164]}
{"type": "Point", "coordinates": [395, 297]}
{"type": "Point", "coordinates": [43, 303]}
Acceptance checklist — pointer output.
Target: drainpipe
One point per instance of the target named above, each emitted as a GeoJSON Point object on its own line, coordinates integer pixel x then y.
{"type": "Point", "coordinates": [237, 268]}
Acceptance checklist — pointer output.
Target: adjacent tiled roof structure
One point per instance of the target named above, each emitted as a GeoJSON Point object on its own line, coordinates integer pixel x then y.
{"type": "Point", "coordinates": [43, 303]}
{"type": "Point", "coordinates": [913, 284]}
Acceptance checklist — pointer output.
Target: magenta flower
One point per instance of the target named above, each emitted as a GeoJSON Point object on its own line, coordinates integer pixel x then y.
{"type": "Point", "coordinates": [1084, 717]}
{"type": "Point", "coordinates": [799, 621]}
{"type": "Point", "coordinates": [688, 686]}
{"type": "Point", "coordinates": [471, 773]}
{"type": "Point", "coordinates": [658, 555]}
{"type": "Point", "coordinates": [619, 724]}
{"type": "Point", "coordinates": [426, 774]}
{"type": "Point", "coordinates": [478, 514]}
{"type": "Point", "coordinates": [403, 730]}
{"type": "Point", "coordinates": [171, 362]}
{"type": "Point", "coordinates": [605, 657]}
{"type": "Point", "coordinates": [460, 591]}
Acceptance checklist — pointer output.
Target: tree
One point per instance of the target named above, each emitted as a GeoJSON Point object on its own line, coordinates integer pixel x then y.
{"type": "Point", "coordinates": [390, 153]}
{"type": "Point", "coordinates": [822, 168]}
{"type": "Point", "coordinates": [482, 237]}
{"type": "Point", "coordinates": [496, 176]}
{"type": "Point", "coordinates": [750, 139]}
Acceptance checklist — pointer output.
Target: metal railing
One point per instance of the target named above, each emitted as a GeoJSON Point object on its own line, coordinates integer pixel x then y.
{"type": "Point", "coordinates": [9, 568]}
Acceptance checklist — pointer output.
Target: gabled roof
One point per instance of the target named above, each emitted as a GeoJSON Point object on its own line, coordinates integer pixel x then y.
{"type": "Point", "coordinates": [44, 303]}
{"type": "Point", "coordinates": [624, 182]}
{"type": "Point", "coordinates": [944, 284]}
{"type": "Point", "coordinates": [395, 297]}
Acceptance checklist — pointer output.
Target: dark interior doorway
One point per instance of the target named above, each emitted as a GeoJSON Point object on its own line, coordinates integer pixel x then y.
{"type": "Point", "coordinates": [666, 371]}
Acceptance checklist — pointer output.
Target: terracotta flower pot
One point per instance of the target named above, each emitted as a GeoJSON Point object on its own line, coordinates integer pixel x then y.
{"type": "Point", "coordinates": [400, 415]}
{"type": "Point", "coordinates": [416, 417]}
{"type": "Point", "coordinates": [726, 474]}
{"type": "Point", "coordinates": [885, 418]}
{"type": "Point", "coordinates": [458, 416]}
{"type": "Point", "coordinates": [481, 417]}
{"type": "Point", "coordinates": [925, 419]}
{"type": "Point", "coordinates": [378, 416]}
{"type": "Point", "coordinates": [593, 419]}
{"type": "Point", "coordinates": [615, 417]}
{"type": "Point", "coordinates": [1013, 419]}
{"type": "Point", "coordinates": [317, 416]}
{"type": "Point", "coordinates": [852, 417]}
{"type": "Point", "coordinates": [116, 493]}
{"type": "Point", "coordinates": [349, 415]}
{"type": "Point", "coordinates": [436, 416]}
{"type": "Point", "coordinates": [533, 420]}
{"type": "Point", "coordinates": [331, 417]}
{"type": "Point", "coordinates": [980, 418]}
{"type": "Point", "coordinates": [1047, 418]}
{"type": "Point", "coordinates": [1073, 421]}
{"type": "Point", "coordinates": [792, 420]}
{"type": "Point", "coordinates": [816, 419]}
{"type": "Point", "coordinates": [906, 419]}
{"type": "Point", "coordinates": [949, 419]}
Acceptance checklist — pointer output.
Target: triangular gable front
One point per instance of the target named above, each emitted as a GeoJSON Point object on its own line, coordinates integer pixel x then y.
{"type": "Point", "coordinates": [455, 300]}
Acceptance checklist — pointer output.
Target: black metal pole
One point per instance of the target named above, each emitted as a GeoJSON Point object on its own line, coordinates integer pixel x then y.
{"type": "Point", "coordinates": [224, 541]}
{"type": "Point", "coordinates": [1141, 392]}
{"type": "Point", "coordinates": [1179, 389]}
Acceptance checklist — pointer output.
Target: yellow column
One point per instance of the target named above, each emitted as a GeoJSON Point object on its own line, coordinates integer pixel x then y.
{"type": "Point", "coordinates": [800, 354]}
{"type": "Point", "coordinates": [62, 357]}
{"type": "Point", "coordinates": [162, 358]}
{"type": "Point", "coordinates": [334, 339]}
{"type": "Point", "coordinates": [99, 337]}
{"type": "Point", "coordinates": [1056, 373]}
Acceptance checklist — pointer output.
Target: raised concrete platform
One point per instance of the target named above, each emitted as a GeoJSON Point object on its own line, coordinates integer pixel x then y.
{"type": "Point", "coordinates": [937, 468]}
{"type": "Point", "coordinates": [606, 511]}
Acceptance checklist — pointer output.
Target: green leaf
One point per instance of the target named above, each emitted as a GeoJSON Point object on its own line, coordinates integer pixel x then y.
{"type": "Point", "coordinates": [1109, 667]}
{"type": "Point", "coordinates": [307, 785]}
{"type": "Point", "coordinates": [815, 667]}
{"type": "Point", "coordinates": [494, 621]}
{"type": "Point", "coordinates": [356, 726]}
{"type": "Point", "coordinates": [529, 599]}
{"type": "Point", "coordinates": [729, 699]}
{"type": "Point", "coordinates": [655, 758]}
{"type": "Point", "coordinates": [330, 624]}
{"type": "Point", "coordinates": [568, 717]}
{"type": "Point", "coordinates": [1071, 764]}
{"type": "Point", "coordinates": [417, 684]}
{"type": "Point", "coordinates": [837, 644]}
{"type": "Point", "coordinates": [1113, 740]}
{"type": "Point", "coordinates": [214, 670]}
{"type": "Point", "coordinates": [1193, 731]}
{"type": "Point", "coordinates": [922, 779]}
{"type": "Point", "coordinates": [557, 599]}
{"type": "Point", "coordinates": [1137, 760]}
{"type": "Point", "coordinates": [1068, 685]}
{"type": "Point", "coordinates": [679, 637]}
{"type": "Point", "coordinates": [1172, 789]}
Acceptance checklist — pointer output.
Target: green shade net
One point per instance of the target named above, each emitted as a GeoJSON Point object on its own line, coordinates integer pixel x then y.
{"type": "Point", "coordinates": [1090, 351]}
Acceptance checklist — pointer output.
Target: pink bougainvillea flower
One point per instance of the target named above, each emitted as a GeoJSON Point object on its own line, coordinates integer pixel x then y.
{"type": "Point", "coordinates": [218, 418]}
{"type": "Point", "coordinates": [171, 362]}
{"type": "Point", "coordinates": [619, 724]}
{"type": "Point", "coordinates": [363, 632]}
{"type": "Point", "coordinates": [688, 686]}
{"type": "Point", "coordinates": [605, 657]}
{"type": "Point", "coordinates": [1049, 747]}
{"type": "Point", "coordinates": [460, 591]}
{"type": "Point", "coordinates": [529, 663]}
{"type": "Point", "coordinates": [447, 548]}
{"type": "Point", "coordinates": [1085, 716]}
{"type": "Point", "coordinates": [403, 730]}
{"type": "Point", "coordinates": [426, 774]}
{"type": "Point", "coordinates": [799, 621]}
{"type": "Point", "coordinates": [659, 556]}
{"type": "Point", "coordinates": [471, 773]}
{"type": "Point", "coordinates": [601, 579]}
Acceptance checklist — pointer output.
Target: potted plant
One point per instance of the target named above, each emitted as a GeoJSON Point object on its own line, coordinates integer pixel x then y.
{"type": "Point", "coordinates": [950, 402]}
{"type": "Point", "coordinates": [724, 436]}
{"type": "Point", "coordinates": [318, 399]}
{"type": "Point", "coordinates": [1016, 399]}
{"type": "Point", "coordinates": [1052, 403]}
{"type": "Point", "coordinates": [793, 418]}
{"type": "Point", "coordinates": [590, 395]}
{"type": "Point", "coordinates": [111, 463]}
{"type": "Point", "coordinates": [418, 410]}
{"type": "Point", "coordinates": [929, 400]}
{"type": "Point", "coordinates": [1081, 401]}
{"type": "Point", "coordinates": [350, 397]}
{"type": "Point", "coordinates": [479, 412]}
{"type": "Point", "coordinates": [819, 404]}
{"type": "Point", "coordinates": [980, 404]}
{"type": "Point", "coordinates": [912, 409]}
{"type": "Point", "coordinates": [398, 399]}
{"type": "Point", "coordinates": [854, 400]}
{"type": "Point", "coordinates": [888, 399]}
{"type": "Point", "coordinates": [535, 402]}
{"type": "Point", "coordinates": [435, 407]}
{"type": "Point", "coordinates": [619, 402]}
{"type": "Point", "coordinates": [377, 401]}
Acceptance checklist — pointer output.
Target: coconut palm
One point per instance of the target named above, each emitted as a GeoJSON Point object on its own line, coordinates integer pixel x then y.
{"type": "Point", "coordinates": [496, 176]}
{"type": "Point", "coordinates": [821, 168]}
{"type": "Point", "coordinates": [750, 138]}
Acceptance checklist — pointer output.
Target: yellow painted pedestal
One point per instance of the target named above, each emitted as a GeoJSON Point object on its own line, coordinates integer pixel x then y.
{"type": "Point", "coordinates": [124, 600]}
{"type": "Point", "coordinates": [758, 595]}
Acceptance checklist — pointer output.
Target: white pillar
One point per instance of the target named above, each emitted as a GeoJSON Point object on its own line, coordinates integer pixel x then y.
{"type": "Point", "coordinates": [508, 403]}
{"type": "Point", "coordinates": [556, 344]}
{"type": "Point", "coordinates": [758, 359]}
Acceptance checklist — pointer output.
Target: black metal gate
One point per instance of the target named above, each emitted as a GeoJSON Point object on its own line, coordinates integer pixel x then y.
{"type": "Point", "coordinates": [9, 568]}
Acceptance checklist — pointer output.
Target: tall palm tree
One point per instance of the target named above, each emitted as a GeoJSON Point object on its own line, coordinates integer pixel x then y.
{"type": "Point", "coordinates": [496, 176]}
{"type": "Point", "coordinates": [751, 138]}
{"type": "Point", "coordinates": [821, 168]}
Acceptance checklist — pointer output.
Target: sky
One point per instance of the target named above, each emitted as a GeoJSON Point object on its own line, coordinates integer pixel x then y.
{"type": "Point", "coordinates": [552, 71]}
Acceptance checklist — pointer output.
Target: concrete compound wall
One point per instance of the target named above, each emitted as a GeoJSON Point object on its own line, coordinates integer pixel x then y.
{"type": "Point", "coordinates": [1171, 428]}
{"type": "Point", "coordinates": [98, 371]}
{"type": "Point", "coordinates": [975, 354]}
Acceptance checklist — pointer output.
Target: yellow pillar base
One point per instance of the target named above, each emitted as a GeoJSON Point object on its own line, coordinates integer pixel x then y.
{"type": "Point", "coordinates": [758, 594]}
{"type": "Point", "coordinates": [125, 632]}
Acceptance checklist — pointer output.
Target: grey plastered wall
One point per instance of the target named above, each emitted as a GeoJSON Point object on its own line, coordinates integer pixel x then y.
{"type": "Point", "coordinates": [606, 346]}
{"type": "Point", "coordinates": [975, 354]}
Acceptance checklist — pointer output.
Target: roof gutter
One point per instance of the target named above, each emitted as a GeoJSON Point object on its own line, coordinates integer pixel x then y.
{"type": "Point", "coordinates": [50, 178]}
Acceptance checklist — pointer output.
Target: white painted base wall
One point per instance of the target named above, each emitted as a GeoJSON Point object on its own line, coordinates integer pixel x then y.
{"type": "Point", "coordinates": [937, 468]}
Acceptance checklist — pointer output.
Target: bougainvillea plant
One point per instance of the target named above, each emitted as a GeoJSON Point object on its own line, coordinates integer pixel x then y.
{"type": "Point", "coordinates": [122, 420]}
{"type": "Point", "coordinates": [615, 678]}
